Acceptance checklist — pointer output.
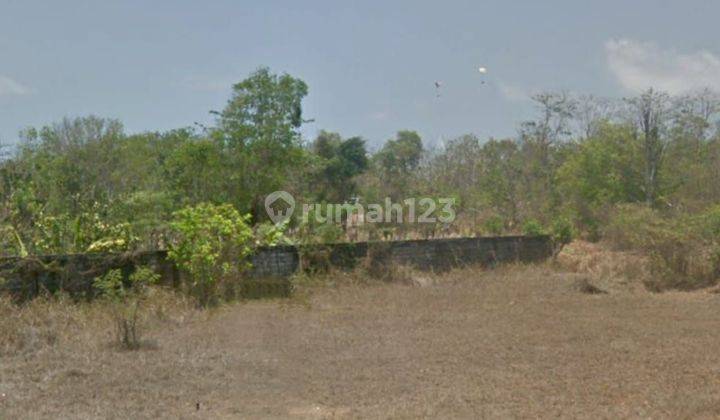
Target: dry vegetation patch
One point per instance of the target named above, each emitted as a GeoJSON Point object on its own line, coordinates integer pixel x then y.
{"type": "Point", "coordinates": [57, 323]}
{"type": "Point", "coordinates": [518, 341]}
{"type": "Point", "coordinates": [604, 268]}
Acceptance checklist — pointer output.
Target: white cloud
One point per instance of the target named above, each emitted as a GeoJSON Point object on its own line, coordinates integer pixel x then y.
{"type": "Point", "coordinates": [641, 65]}
{"type": "Point", "coordinates": [9, 86]}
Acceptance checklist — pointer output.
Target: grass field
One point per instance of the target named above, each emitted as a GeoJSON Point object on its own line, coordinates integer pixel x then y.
{"type": "Point", "coordinates": [514, 342]}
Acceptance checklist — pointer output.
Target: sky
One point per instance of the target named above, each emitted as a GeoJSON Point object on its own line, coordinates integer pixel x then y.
{"type": "Point", "coordinates": [371, 66]}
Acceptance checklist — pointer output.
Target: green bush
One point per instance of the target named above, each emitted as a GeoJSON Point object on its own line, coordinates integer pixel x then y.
{"type": "Point", "coordinates": [126, 302]}
{"type": "Point", "coordinates": [494, 225]}
{"type": "Point", "coordinates": [320, 233]}
{"type": "Point", "coordinates": [710, 223]}
{"type": "Point", "coordinates": [271, 234]}
{"type": "Point", "coordinates": [211, 245]}
{"type": "Point", "coordinates": [562, 233]}
{"type": "Point", "coordinates": [532, 227]}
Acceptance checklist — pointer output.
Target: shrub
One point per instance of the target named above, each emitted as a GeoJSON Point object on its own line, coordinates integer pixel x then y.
{"type": "Point", "coordinates": [494, 225]}
{"type": "Point", "coordinates": [532, 227]}
{"type": "Point", "coordinates": [631, 226]}
{"type": "Point", "coordinates": [328, 233]}
{"type": "Point", "coordinates": [271, 234]}
{"type": "Point", "coordinates": [211, 245]}
{"type": "Point", "coordinates": [684, 250]}
{"type": "Point", "coordinates": [562, 233]}
{"type": "Point", "coordinates": [126, 302]}
{"type": "Point", "coordinates": [710, 223]}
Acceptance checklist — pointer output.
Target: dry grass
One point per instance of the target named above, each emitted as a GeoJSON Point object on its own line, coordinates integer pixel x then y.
{"type": "Point", "coordinates": [48, 323]}
{"type": "Point", "coordinates": [514, 342]}
{"type": "Point", "coordinates": [604, 268]}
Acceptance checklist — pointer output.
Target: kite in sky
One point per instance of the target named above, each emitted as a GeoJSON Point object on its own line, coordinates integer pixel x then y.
{"type": "Point", "coordinates": [482, 70]}
{"type": "Point", "coordinates": [438, 84]}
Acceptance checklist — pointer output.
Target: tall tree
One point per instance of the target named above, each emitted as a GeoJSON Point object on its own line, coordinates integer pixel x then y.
{"type": "Point", "coordinates": [396, 162]}
{"type": "Point", "coordinates": [552, 126]}
{"type": "Point", "coordinates": [260, 127]}
{"type": "Point", "coordinates": [401, 154]}
{"type": "Point", "coordinates": [651, 112]}
{"type": "Point", "coordinates": [341, 161]}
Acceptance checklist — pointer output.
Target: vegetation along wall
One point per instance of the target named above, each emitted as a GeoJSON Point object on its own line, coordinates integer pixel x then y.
{"type": "Point", "coordinates": [271, 266]}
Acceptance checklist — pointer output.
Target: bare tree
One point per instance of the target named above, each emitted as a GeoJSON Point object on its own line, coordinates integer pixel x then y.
{"type": "Point", "coordinates": [590, 112]}
{"type": "Point", "coordinates": [652, 114]}
{"type": "Point", "coordinates": [695, 113]}
{"type": "Point", "coordinates": [556, 112]}
{"type": "Point", "coordinates": [539, 141]}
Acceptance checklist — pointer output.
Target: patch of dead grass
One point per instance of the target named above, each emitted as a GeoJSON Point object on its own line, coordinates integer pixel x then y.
{"type": "Point", "coordinates": [604, 268]}
{"type": "Point", "coordinates": [50, 322]}
{"type": "Point", "coordinates": [517, 341]}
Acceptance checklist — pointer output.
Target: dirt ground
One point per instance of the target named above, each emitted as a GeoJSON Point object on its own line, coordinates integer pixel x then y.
{"type": "Point", "coordinates": [515, 342]}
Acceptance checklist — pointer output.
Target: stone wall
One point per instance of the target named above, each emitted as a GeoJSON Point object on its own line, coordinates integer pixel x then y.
{"type": "Point", "coordinates": [271, 266]}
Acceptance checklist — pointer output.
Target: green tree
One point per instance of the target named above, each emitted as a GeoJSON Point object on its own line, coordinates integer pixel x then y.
{"type": "Point", "coordinates": [402, 154]}
{"type": "Point", "coordinates": [604, 170]}
{"type": "Point", "coordinates": [74, 160]}
{"type": "Point", "coordinates": [500, 183]}
{"type": "Point", "coordinates": [259, 128]}
{"type": "Point", "coordinates": [396, 162]}
{"type": "Point", "coordinates": [340, 162]}
{"type": "Point", "coordinates": [194, 172]}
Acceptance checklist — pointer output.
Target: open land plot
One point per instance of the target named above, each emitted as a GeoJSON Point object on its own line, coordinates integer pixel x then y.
{"type": "Point", "coordinates": [514, 342]}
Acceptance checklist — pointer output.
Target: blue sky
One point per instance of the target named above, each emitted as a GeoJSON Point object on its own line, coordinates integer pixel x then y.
{"type": "Point", "coordinates": [370, 65]}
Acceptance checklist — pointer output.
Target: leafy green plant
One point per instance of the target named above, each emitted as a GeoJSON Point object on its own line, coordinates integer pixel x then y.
{"type": "Point", "coordinates": [12, 241]}
{"type": "Point", "coordinates": [271, 234]}
{"type": "Point", "coordinates": [211, 245]}
{"type": "Point", "coordinates": [494, 225]}
{"type": "Point", "coordinates": [532, 227]}
{"type": "Point", "coordinates": [88, 231]}
{"type": "Point", "coordinates": [126, 302]}
{"type": "Point", "coordinates": [327, 233]}
{"type": "Point", "coordinates": [710, 222]}
{"type": "Point", "coordinates": [562, 231]}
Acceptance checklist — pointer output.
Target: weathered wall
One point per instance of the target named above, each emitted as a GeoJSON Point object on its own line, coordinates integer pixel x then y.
{"type": "Point", "coordinates": [271, 267]}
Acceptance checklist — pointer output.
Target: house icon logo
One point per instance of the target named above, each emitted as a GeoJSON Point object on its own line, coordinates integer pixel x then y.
{"type": "Point", "coordinates": [279, 205]}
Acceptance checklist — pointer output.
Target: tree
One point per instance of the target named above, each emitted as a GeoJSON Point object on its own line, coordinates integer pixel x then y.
{"type": "Point", "coordinates": [194, 172]}
{"type": "Point", "coordinates": [457, 168]}
{"type": "Point", "coordinates": [687, 173]}
{"type": "Point", "coordinates": [553, 125]}
{"type": "Point", "coordinates": [259, 128]}
{"type": "Point", "coordinates": [264, 109]}
{"type": "Point", "coordinates": [590, 113]}
{"type": "Point", "coordinates": [341, 161]}
{"type": "Point", "coordinates": [501, 181]}
{"type": "Point", "coordinates": [74, 160]}
{"type": "Point", "coordinates": [542, 144]}
{"type": "Point", "coordinates": [397, 160]}
{"type": "Point", "coordinates": [402, 154]}
{"type": "Point", "coordinates": [603, 171]}
{"type": "Point", "coordinates": [651, 112]}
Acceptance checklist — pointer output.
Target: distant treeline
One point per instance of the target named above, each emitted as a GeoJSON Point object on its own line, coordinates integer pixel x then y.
{"type": "Point", "coordinates": [83, 184]}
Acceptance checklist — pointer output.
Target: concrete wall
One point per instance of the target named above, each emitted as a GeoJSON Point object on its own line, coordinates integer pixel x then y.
{"type": "Point", "coordinates": [271, 267]}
